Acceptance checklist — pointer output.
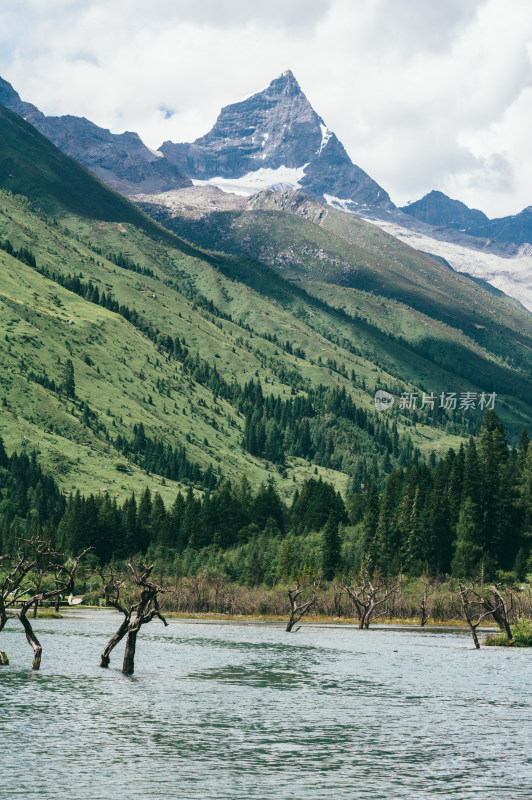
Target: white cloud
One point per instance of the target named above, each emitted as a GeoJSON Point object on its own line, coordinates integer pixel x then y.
{"type": "Point", "coordinates": [422, 94]}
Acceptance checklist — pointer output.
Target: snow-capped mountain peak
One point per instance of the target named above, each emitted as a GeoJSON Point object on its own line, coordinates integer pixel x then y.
{"type": "Point", "coordinates": [274, 130]}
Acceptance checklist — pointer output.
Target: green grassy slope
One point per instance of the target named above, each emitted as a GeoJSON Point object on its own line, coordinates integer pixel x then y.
{"type": "Point", "coordinates": [32, 166]}
{"type": "Point", "coordinates": [234, 312]}
{"type": "Point", "coordinates": [354, 266]}
{"type": "Point", "coordinates": [308, 241]}
{"type": "Point", "coordinates": [118, 371]}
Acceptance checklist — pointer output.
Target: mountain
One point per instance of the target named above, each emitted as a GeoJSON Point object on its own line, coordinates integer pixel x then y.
{"type": "Point", "coordinates": [192, 366]}
{"type": "Point", "coordinates": [121, 160]}
{"type": "Point", "coordinates": [275, 139]}
{"type": "Point", "coordinates": [439, 210]}
{"type": "Point", "coordinates": [516, 228]}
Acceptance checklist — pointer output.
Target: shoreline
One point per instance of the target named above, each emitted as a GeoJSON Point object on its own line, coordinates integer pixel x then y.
{"type": "Point", "coordinates": [314, 620]}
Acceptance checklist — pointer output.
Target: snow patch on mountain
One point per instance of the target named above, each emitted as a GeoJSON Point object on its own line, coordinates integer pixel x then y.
{"type": "Point", "coordinates": [344, 205]}
{"type": "Point", "coordinates": [258, 181]}
{"type": "Point", "coordinates": [325, 136]}
{"type": "Point", "coordinates": [513, 275]}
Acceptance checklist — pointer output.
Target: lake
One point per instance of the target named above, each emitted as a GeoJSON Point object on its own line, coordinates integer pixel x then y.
{"type": "Point", "coordinates": [230, 711]}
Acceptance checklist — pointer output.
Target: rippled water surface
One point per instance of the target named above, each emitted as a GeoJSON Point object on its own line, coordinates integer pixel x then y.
{"type": "Point", "coordinates": [249, 711]}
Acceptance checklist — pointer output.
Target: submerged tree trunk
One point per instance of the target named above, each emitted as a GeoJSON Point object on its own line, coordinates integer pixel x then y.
{"type": "Point", "coordinates": [32, 639]}
{"type": "Point", "coordinates": [4, 660]}
{"type": "Point", "coordinates": [501, 610]}
{"type": "Point", "coordinates": [472, 603]}
{"type": "Point", "coordinates": [115, 639]}
{"type": "Point", "coordinates": [473, 629]}
{"type": "Point", "coordinates": [297, 612]}
{"type": "Point", "coordinates": [128, 667]}
{"type": "Point", "coordinates": [35, 559]}
{"type": "Point", "coordinates": [368, 596]}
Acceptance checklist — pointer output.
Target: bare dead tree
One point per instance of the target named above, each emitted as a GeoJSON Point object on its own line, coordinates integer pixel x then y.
{"type": "Point", "coordinates": [30, 553]}
{"type": "Point", "coordinates": [369, 596]}
{"type": "Point", "coordinates": [338, 593]}
{"type": "Point", "coordinates": [34, 594]}
{"type": "Point", "coordinates": [20, 585]}
{"type": "Point", "coordinates": [298, 611]}
{"type": "Point", "coordinates": [425, 610]}
{"type": "Point", "coordinates": [112, 586]}
{"type": "Point", "coordinates": [4, 660]}
{"type": "Point", "coordinates": [476, 608]}
{"type": "Point", "coordinates": [135, 614]}
{"type": "Point", "coordinates": [501, 608]}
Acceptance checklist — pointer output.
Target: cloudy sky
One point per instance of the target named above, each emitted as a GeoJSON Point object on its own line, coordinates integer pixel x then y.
{"type": "Point", "coordinates": [423, 93]}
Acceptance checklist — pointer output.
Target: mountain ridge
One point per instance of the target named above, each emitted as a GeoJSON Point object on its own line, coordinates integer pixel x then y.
{"type": "Point", "coordinates": [122, 160]}
{"type": "Point", "coordinates": [439, 210]}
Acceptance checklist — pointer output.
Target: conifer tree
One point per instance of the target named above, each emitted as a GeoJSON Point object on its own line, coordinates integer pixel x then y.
{"type": "Point", "coordinates": [414, 539]}
{"type": "Point", "coordinates": [330, 548]}
{"type": "Point", "coordinates": [440, 532]}
{"type": "Point", "coordinates": [456, 462]}
{"type": "Point", "coordinates": [370, 522]}
{"type": "Point", "coordinates": [493, 454]}
{"type": "Point", "coordinates": [3, 454]}
{"type": "Point", "coordinates": [288, 558]}
{"type": "Point", "coordinates": [130, 527]}
{"type": "Point", "coordinates": [68, 384]}
{"type": "Point", "coordinates": [388, 535]}
{"type": "Point", "coordinates": [468, 554]}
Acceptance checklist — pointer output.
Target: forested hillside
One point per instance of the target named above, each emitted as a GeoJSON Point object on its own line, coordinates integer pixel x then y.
{"type": "Point", "coordinates": [471, 512]}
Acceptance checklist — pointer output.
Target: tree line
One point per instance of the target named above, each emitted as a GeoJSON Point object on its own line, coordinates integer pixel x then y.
{"type": "Point", "coordinates": [469, 513]}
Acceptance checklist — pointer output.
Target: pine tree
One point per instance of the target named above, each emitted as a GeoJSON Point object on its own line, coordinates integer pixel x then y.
{"type": "Point", "coordinates": [493, 455]}
{"type": "Point", "coordinates": [288, 558]}
{"type": "Point", "coordinates": [131, 544]}
{"type": "Point", "coordinates": [331, 548]}
{"type": "Point", "coordinates": [440, 532]}
{"type": "Point", "coordinates": [68, 384]}
{"type": "Point", "coordinates": [370, 522]}
{"type": "Point", "coordinates": [144, 520]}
{"type": "Point", "coordinates": [472, 490]}
{"type": "Point", "coordinates": [388, 536]}
{"type": "Point", "coordinates": [3, 454]}
{"type": "Point", "coordinates": [414, 541]}
{"type": "Point", "coordinates": [468, 554]}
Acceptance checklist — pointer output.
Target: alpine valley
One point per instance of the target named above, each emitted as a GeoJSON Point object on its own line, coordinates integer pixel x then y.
{"type": "Point", "coordinates": [265, 436]}
{"type": "Point", "coordinates": [238, 319]}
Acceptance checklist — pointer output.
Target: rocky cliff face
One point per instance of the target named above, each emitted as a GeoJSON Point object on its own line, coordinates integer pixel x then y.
{"type": "Point", "coordinates": [276, 137]}
{"type": "Point", "coordinates": [122, 160]}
